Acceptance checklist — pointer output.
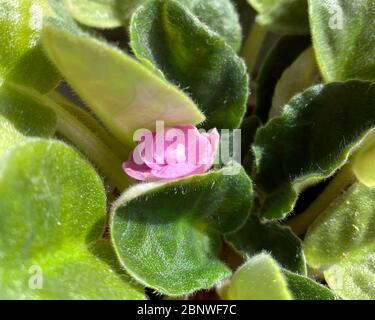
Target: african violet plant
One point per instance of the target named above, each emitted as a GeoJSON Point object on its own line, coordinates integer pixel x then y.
{"type": "Point", "coordinates": [86, 214]}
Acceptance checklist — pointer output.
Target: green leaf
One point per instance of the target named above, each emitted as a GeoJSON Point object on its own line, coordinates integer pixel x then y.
{"type": "Point", "coordinates": [303, 73]}
{"type": "Point", "coordinates": [30, 117]}
{"type": "Point", "coordinates": [282, 55]}
{"type": "Point", "coordinates": [341, 242]}
{"type": "Point", "coordinates": [167, 36]}
{"type": "Point", "coordinates": [167, 234]}
{"type": "Point", "coordinates": [304, 288]}
{"type": "Point", "coordinates": [124, 94]}
{"type": "Point", "coordinates": [315, 135]}
{"type": "Point", "coordinates": [220, 16]}
{"type": "Point", "coordinates": [288, 17]}
{"type": "Point", "coordinates": [256, 236]}
{"type": "Point", "coordinates": [260, 278]}
{"type": "Point", "coordinates": [52, 213]}
{"type": "Point", "coordinates": [22, 60]}
{"type": "Point", "coordinates": [95, 13]}
{"type": "Point", "coordinates": [342, 32]}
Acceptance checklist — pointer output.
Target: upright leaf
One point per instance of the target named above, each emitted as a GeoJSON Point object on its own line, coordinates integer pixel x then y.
{"type": "Point", "coordinates": [124, 94]}
{"type": "Point", "coordinates": [288, 17]}
{"type": "Point", "coordinates": [315, 135]}
{"type": "Point", "coordinates": [169, 37]}
{"type": "Point", "coordinates": [343, 35]}
{"type": "Point", "coordinates": [167, 234]}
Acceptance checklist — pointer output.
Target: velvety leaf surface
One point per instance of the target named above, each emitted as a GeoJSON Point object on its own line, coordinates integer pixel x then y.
{"type": "Point", "coordinates": [167, 234]}
{"type": "Point", "coordinates": [95, 13]}
{"type": "Point", "coordinates": [343, 35]}
{"type": "Point", "coordinates": [256, 236]}
{"type": "Point", "coordinates": [260, 278]}
{"type": "Point", "coordinates": [27, 115]}
{"type": "Point", "coordinates": [125, 95]}
{"type": "Point", "coordinates": [281, 56]}
{"type": "Point", "coordinates": [304, 288]}
{"type": "Point", "coordinates": [289, 17]}
{"type": "Point", "coordinates": [314, 136]}
{"type": "Point", "coordinates": [342, 242]}
{"type": "Point", "coordinates": [220, 16]}
{"type": "Point", "coordinates": [167, 36]}
{"type": "Point", "coordinates": [52, 212]}
{"type": "Point", "coordinates": [302, 73]}
{"type": "Point", "coordinates": [22, 60]}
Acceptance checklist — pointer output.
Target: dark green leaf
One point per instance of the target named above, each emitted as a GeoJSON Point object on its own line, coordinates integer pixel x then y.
{"type": "Point", "coordinates": [256, 236]}
{"type": "Point", "coordinates": [167, 234]}
{"type": "Point", "coordinates": [314, 137]}
{"type": "Point", "coordinates": [169, 37]}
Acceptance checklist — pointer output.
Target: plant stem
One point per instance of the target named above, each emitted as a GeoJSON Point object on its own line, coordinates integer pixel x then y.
{"type": "Point", "coordinates": [340, 182]}
{"type": "Point", "coordinates": [84, 139]}
{"type": "Point", "coordinates": [252, 46]}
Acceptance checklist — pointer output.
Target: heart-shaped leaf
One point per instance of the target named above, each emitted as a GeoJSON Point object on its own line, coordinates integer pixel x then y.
{"type": "Point", "coordinates": [52, 213]}
{"type": "Point", "coordinates": [341, 242]}
{"type": "Point", "coordinates": [169, 37]}
{"type": "Point", "coordinates": [315, 135]}
{"type": "Point", "coordinates": [288, 17]}
{"type": "Point", "coordinates": [256, 236]}
{"type": "Point", "coordinates": [125, 95]}
{"type": "Point", "coordinates": [22, 60]}
{"type": "Point", "coordinates": [167, 234]}
{"type": "Point", "coordinates": [342, 32]}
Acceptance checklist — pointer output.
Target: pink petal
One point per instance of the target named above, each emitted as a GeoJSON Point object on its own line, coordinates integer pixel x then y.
{"type": "Point", "coordinates": [138, 172]}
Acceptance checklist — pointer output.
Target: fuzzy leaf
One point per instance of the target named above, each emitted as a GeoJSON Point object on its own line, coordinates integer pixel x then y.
{"type": "Point", "coordinates": [342, 243]}
{"type": "Point", "coordinates": [343, 36]}
{"type": "Point", "coordinates": [281, 56]}
{"type": "Point", "coordinates": [167, 36]}
{"type": "Point", "coordinates": [52, 213]}
{"type": "Point", "coordinates": [256, 236]}
{"type": "Point", "coordinates": [167, 234]}
{"type": "Point", "coordinates": [260, 278]}
{"type": "Point", "coordinates": [22, 60]}
{"type": "Point", "coordinates": [124, 94]}
{"type": "Point", "coordinates": [288, 17]}
{"type": "Point", "coordinates": [315, 135]}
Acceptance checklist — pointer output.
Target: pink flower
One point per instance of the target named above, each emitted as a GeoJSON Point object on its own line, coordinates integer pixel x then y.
{"type": "Point", "coordinates": [174, 153]}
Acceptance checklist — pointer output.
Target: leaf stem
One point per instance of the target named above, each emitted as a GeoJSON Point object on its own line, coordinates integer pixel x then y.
{"type": "Point", "coordinates": [252, 46]}
{"type": "Point", "coordinates": [339, 184]}
{"type": "Point", "coordinates": [70, 126]}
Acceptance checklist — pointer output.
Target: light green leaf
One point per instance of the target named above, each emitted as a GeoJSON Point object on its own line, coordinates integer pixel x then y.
{"type": "Point", "coordinates": [256, 236]}
{"type": "Point", "coordinates": [260, 278]}
{"type": "Point", "coordinates": [281, 56]}
{"type": "Point", "coordinates": [30, 117]}
{"type": "Point", "coordinates": [167, 234]}
{"type": "Point", "coordinates": [168, 37]}
{"type": "Point", "coordinates": [95, 13]}
{"type": "Point", "coordinates": [22, 60]}
{"type": "Point", "coordinates": [341, 242]}
{"type": "Point", "coordinates": [303, 73]}
{"type": "Point", "coordinates": [343, 36]}
{"type": "Point", "coordinates": [52, 213]}
{"type": "Point", "coordinates": [289, 17]}
{"type": "Point", "coordinates": [124, 94]}
{"type": "Point", "coordinates": [315, 135]}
